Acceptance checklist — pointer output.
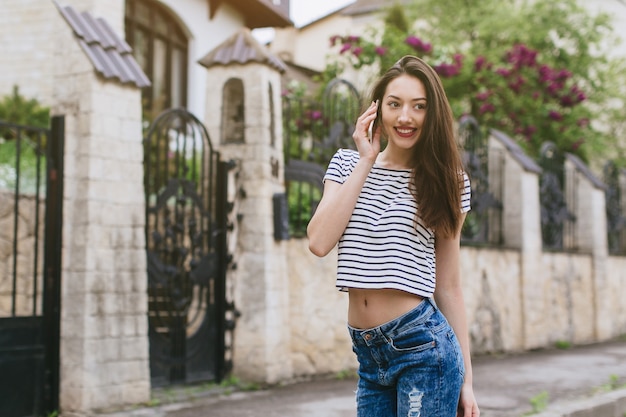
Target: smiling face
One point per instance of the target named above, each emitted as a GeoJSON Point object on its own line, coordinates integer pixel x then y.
{"type": "Point", "coordinates": [403, 111]}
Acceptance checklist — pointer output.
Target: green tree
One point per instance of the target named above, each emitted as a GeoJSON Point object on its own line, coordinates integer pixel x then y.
{"type": "Point", "coordinates": [16, 109]}
{"type": "Point", "coordinates": [537, 70]}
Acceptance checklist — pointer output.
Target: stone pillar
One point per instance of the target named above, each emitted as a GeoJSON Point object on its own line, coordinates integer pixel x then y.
{"type": "Point", "coordinates": [260, 282]}
{"type": "Point", "coordinates": [104, 340]}
{"type": "Point", "coordinates": [589, 205]}
{"type": "Point", "coordinates": [522, 230]}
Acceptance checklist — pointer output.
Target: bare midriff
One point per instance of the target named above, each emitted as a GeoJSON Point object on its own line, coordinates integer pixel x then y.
{"type": "Point", "coordinates": [371, 308]}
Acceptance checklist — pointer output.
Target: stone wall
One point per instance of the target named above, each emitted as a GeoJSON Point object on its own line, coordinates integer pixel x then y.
{"type": "Point", "coordinates": [518, 297]}
{"type": "Point", "coordinates": [30, 243]}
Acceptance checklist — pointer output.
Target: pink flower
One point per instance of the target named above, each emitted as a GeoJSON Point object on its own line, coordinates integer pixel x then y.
{"type": "Point", "coordinates": [486, 108]}
{"type": "Point", "coordinates": [555, 115]}
{"type": "Point", "coordinates": [563, 75]}
{"type": "Point", "coordinates": [380, 50]}
{"type": "Point", "coordinates": [517, 84]}
{"type": "Point", "coordinates": [346, 47]}
{"type": "Point", "coordinates": [427, 47]}
{"type": "Point", "coordinates": [529, 131]}
{"type": "Point", "coordinates": [357, 51]}
{"type": "Point", "coordinates": [316, 115]}
{"type": "Point", "coordinates": [483, 96]}
{"type": "Point", "coordinates": [334, 40]}
{"type": "Point", "coordinates": [503, 72]}
{"type": "Point", "coordinates": [413, 41]}
{"type": "Point", "coordinates": [522, 56]}
{"type": "Point", "coordinates": [584, 122]}
{"type": "Point", "coordinates": [447, 70]}
{"type": "Point", "coordinates": [479, 63]}
{"type": "Point", "coordinates": [419, 45]}
{"type": "Point", "coordinates": [577, 144]}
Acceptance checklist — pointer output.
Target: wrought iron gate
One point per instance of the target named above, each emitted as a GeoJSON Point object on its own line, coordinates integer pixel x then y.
{"type": "Point", "coordinates": [31, 164]}
{"type": "Point", "coordinates": [186, 221]}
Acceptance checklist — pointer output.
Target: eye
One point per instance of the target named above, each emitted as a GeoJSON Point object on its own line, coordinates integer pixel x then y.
{"type": "Point", "coordinates": [420, 106]}
{"type": "Point", "coordinates": [394, 104]}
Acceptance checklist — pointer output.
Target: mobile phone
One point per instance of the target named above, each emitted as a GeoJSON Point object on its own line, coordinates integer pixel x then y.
{"type": "Point", "coordinates": [372, 127]}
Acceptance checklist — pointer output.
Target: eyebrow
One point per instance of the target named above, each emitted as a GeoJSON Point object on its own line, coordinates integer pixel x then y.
{"type": "Point", "coordinates": [415, 99]}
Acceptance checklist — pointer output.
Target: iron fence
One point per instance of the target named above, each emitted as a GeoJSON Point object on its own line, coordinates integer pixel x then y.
{"type": "Point", "coordinates": [615, 180]}
{"type": "Point", "coordinates": [557, 212]}
{"type": "Point", "coordinates": [314, 130]}
{"type": "Point", "coordinates": [484, 166]}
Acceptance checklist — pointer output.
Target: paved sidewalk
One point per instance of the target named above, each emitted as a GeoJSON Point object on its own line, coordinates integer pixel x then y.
{"type": "Point", "coordinates": [574, 380]}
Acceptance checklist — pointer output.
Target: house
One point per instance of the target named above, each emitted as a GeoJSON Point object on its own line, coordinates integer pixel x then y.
{"type": "Point", "coordinates": [168, 37]}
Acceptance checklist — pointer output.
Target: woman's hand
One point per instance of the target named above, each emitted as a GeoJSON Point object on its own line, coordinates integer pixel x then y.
{"type": "Point", "coordinates": [467, 402]}
{"type": "Point", "coordinates": [368, 148]}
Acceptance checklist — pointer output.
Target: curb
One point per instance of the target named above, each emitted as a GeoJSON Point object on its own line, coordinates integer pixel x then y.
{"type": "Point", "coordinates": [610, 404]}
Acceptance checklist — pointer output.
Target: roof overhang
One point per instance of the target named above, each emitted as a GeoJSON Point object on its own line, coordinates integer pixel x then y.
{"type": "Point", "coordinates": [257, 13]}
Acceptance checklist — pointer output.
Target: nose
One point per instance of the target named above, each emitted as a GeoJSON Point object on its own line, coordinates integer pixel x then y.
{"type": "Point", "coordinates": [405, 114]}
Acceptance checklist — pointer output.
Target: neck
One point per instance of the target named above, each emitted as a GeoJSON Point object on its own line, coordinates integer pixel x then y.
{"type": "Point", "coordinates": [395, 158]}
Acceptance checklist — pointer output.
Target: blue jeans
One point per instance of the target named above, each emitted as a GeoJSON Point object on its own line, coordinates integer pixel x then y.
{"type": "Point", "coordinates": [411, 366]}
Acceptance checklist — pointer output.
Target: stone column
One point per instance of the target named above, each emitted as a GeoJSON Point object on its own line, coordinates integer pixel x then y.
{"type": "Point", "coordinates": [589, 205]}
{"type": "Point", "coordinates": [104, 340]}
{"type": "Point", "coordinates": [522, 230]}
{"type": "Point", "coordinates": [260, 284]}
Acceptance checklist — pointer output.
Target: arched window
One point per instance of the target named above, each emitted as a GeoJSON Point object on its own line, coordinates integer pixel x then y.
{"type": "Point", "coordinates": [160, 47]}
{"type": "Point", "coordinates": [233, 113]}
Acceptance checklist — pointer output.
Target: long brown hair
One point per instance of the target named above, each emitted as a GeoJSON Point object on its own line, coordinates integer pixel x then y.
{"type": "Point", "coordinates": [436, 161]}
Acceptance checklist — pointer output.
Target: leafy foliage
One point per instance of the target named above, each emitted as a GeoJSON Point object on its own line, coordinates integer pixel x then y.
{"type": "Point", "coordinates": [17, 110]}
{"type": "Point", "coordinates": [537, 70]}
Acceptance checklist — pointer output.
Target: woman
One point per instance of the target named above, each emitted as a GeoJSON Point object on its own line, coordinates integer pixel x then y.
{"type": "Point", "coordinates": [393, 214]}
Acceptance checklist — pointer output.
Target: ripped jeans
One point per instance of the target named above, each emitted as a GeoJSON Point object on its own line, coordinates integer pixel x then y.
{"type": "Point", "coordinates": [411, 366]}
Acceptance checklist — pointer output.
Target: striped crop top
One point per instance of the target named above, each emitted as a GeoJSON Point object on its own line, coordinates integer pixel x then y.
{"type": "Point", "coordinates": [382, 229]}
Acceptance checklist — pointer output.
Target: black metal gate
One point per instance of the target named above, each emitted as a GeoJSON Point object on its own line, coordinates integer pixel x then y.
{"type": "Point", "coordinates": [31, 167]}
{"type": "Point", "coordinates": [186, 221]}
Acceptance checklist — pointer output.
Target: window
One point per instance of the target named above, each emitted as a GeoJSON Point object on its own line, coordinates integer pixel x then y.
{"type": "Point", "coordinates": [160, 47]}
{"type": "Point", "coordinates": [233, 113]}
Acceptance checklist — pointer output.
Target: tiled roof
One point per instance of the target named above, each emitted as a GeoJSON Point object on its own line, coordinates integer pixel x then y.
{"type": "Point", "coordinates": [110, 55]}
{"type": "Point", "coordinates": [257, 13]}
{"type": "Point", "coordinates": [242, 48]}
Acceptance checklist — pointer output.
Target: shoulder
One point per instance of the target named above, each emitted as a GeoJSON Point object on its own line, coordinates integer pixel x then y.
{"type": "Point", "coordinates": [341, 165]}
{"type": "Point", "coordinates": [345, 157]}
{"type": "Point", "coordinates": [347, 154]}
